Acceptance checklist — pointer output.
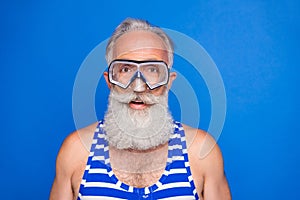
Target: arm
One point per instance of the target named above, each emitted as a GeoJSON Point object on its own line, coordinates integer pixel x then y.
{"type": "Point", "coordinates": [65, 166]}
{"type": "Point", "coordinates": [215, 183]}
{"type": "Point", "coordinates": [208, 168]}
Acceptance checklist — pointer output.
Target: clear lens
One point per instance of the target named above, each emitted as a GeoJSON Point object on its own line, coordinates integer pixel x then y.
{"type": "Point", "coordinates": [154, 73]}
{"type": "Point", "coordinates": [123, 73]}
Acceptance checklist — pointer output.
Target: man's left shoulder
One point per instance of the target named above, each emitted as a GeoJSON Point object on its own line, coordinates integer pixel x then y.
{"type": "Point", "coordinates": [206, 164]}
{"type": "Point", "coordinates": [199, 142]}
{"type": "Point", "coordinates": [195, 135]}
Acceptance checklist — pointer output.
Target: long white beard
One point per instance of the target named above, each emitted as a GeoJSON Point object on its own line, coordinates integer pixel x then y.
{"type": "Point", "coordinates": [127, 128]}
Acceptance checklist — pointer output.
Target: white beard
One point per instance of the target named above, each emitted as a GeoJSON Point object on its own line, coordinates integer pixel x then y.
{"type": "Point", "coordinates": [127, 128]}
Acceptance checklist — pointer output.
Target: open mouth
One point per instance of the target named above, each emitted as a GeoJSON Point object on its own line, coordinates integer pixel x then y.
{"type": "Point", "coordinates": [137, 104]}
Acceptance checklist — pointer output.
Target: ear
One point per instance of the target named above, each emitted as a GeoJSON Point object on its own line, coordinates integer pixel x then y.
{"type": "Point", "coordinates": [172, 77]}
{"type": "Point", "coordinates": [105, 74]}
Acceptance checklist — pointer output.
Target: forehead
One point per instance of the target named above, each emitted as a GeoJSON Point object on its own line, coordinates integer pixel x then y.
{"type": "Point", "coordinates": [140, 45]}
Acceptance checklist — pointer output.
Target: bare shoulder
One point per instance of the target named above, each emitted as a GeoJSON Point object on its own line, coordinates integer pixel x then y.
{"type": "Point", "coordinates": [206, 163]}
{"type": "Point", "coordinates": [71, 151]}
{"type": "Point", "coordinates": [86, 135]}
{"type": "Point", "coordinates": [200, 143]}
{"type": "Point", "coordinates": [202, 150]}
{"type": "Point", "coordinates": [70, 163]}
{"type": "Point", "coordinates": [74, 147]}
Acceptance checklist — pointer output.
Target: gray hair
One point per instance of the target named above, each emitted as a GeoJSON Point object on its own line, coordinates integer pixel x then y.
{"type": "Point", "coordinates": [131, 24]}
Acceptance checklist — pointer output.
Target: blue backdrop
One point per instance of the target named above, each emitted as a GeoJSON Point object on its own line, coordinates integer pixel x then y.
{"type": "Point", "coordinates": [255, 46]}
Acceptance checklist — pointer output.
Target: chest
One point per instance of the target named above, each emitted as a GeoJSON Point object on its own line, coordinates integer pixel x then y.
{"type": "Point", "coordinates": [134, 169]}
{"type": "Point", "coordinates": [139, 169]}
{"type": "Point", "coordinates": [139, 180]}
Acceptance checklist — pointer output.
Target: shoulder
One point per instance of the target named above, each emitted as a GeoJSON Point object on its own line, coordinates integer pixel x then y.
{"type": "Point", "coordinates": [204, 153]}
{"type": "Point", "coordinates": [200, 143]}
{"type": "Point", "coordinates": [70, 163]}
{"type": "Point", "coordinates": [206, 164]}
{"type": "Point", "coordinates": [74, 148]}
{"type": "Point", "coordinates": [86, 135]}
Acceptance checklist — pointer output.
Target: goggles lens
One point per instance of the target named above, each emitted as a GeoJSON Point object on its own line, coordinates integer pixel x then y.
{"type": "Point", "coordinates": [124, 72]}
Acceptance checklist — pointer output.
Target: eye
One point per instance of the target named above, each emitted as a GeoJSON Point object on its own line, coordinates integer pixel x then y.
{"type": "Point", "coordinates": [152, 69]}
{"type": "Point", "coordinates": [125, 69]}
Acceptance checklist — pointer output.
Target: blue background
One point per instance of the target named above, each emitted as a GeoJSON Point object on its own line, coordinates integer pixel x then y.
{"type": "Point", "coordinates": [254, 44]}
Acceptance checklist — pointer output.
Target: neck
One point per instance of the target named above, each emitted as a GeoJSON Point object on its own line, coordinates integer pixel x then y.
{"type": "Point", "coordinates": [139, 161]}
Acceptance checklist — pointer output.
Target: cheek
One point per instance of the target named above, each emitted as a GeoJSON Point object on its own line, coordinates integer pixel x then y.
{"type": "Point", "coordinates": [159, 91]}
{"type": "Point", "coordinates": [121, 90]}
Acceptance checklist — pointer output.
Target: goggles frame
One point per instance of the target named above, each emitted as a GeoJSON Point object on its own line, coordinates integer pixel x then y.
{"type": "Point", "coordinates": [138, 73]}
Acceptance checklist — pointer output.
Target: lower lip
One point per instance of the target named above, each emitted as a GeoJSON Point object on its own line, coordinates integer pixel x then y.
{"type": "Point", "coordinates": [137, 106]}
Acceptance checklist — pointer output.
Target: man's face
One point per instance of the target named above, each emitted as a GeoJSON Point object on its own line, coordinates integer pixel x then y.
{"type": "Point", "coordinates": [138, 117]}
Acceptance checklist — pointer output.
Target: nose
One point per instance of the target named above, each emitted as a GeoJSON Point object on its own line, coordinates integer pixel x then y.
{"type": "Point", "coordinates": [139, 85]}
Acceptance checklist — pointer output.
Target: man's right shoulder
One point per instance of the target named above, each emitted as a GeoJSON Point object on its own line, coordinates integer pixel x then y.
{"type": "Point", "coordinates": [86, 135]}
{"type": "Point", "coordinates": [80, 138]}
{"type": "Point", "coordinates": [76, 146]}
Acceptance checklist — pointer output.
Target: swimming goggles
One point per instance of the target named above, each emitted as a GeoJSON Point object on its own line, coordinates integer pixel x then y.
{"type": "Point", "coordinates": [124, 72]}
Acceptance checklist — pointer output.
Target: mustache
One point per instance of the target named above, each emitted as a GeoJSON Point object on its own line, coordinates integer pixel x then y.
{"type": "Point", "coordinates": [128, 97]}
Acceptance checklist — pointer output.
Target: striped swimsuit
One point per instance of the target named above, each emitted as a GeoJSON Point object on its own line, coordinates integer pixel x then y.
{"type": "Point", "coordinates": [100, 183]}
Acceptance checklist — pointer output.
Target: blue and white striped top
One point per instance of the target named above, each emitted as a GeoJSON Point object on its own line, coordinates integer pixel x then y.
{"type": "Point", "coordinates": [100, 183]}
